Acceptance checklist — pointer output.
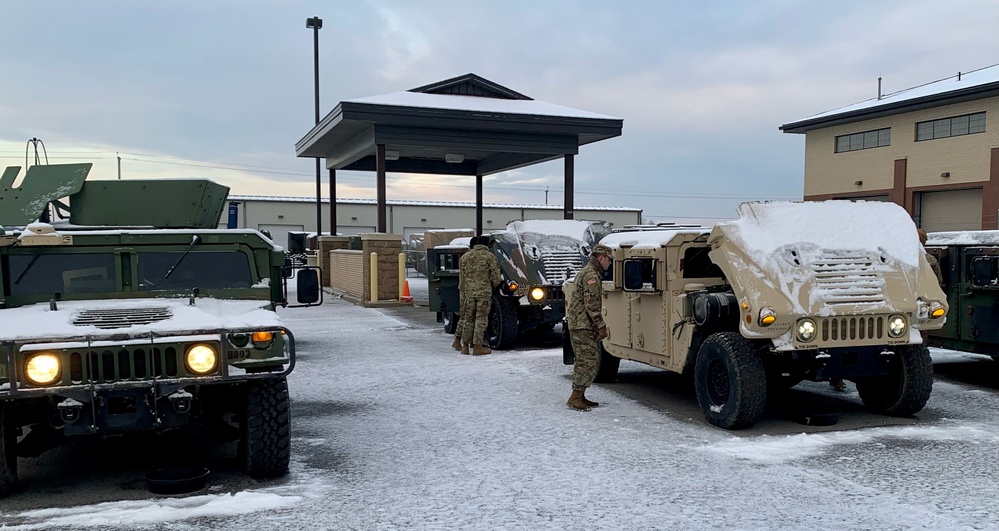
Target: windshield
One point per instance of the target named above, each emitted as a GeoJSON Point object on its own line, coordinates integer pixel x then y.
{"type": "Point", "coordinates": [199, 269]}
{"type": "Point", "coordinates": [62, 273]}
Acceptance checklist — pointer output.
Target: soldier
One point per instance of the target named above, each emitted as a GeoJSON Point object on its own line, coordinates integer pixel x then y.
{"type": "Point", "coordinates": [586, 325]}
{"type": "Point", "coordinates": [479, 274]}
{"type": "Point", "coordinates": [459, 329]}
{"type": "Point", "coordinates": [934, 263]}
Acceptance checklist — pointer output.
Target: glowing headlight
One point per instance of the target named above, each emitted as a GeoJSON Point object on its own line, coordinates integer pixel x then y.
{"type": "Point", "coordinates": [767, 316]}
{"type": "Point", "coordinates": [42, 369]}
{"type": "Point", "coordinates": [897, 326]}
{"type": "Point", "coordinates": [263, 339]}
{"type": "Point", "coordinates": [806, 330]}
{"type": "Point", "coordinates": [537, 293]}
{"type": "Point", "coordinates": [201, 359]}
{"type": "Point", "coordinates": [937, 310]}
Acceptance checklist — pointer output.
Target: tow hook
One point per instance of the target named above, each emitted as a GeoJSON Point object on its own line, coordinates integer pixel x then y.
{"type": "Point", "coordinates": [181, 401]}
{"type": "Point", "coordinates": [885, 357]}
{"type": "Point", "coordinates": [69, 410]}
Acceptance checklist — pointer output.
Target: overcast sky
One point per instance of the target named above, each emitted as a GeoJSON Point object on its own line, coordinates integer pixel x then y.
{"type": "Point", "coordinates": [224, 89]}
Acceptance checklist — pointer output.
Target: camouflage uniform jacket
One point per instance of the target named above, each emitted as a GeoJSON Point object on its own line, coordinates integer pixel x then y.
{"type": "Point", "coordinates": [479, 272]}
{"type": "Point", "coordinates": [461, 280]}
{"type": "Point", "coordinates": [583, 312]}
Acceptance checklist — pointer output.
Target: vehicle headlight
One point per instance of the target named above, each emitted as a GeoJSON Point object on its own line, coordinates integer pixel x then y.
{"type": "Point", "coordinates": [263, 339]}
{"type": "Point", "coordinates": [201, 359]}
{"type": "Point", "coordinates": [42, 368]}
{"type": "Point", "coordinates": [511, 287]}
{"type": "Point", "coordinates": [937, 310]}
{"type": "Point", "coordinates": [897, 326]}
{"type": "Point", "coordinates": [768, 317]}
{"type": "Point", "coordinates": [806, 330]}
{"type": "Point", "coordinates": [536, 294]}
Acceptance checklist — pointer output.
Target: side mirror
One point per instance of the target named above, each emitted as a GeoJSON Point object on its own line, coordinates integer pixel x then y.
{"type": "Point", "coordinates": [307, 284]}
{"type": "Point", "coordinates": [287, 268]}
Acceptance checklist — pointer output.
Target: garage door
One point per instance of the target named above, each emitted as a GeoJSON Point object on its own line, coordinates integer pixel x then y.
{"type": "Point", "coordinates": [279, 233]}
{"type": "Point", "coordinates": [952, 210]}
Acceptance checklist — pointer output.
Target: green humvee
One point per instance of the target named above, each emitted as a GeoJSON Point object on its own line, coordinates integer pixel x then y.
{"type": "Point", "coordinates": [136, 313]}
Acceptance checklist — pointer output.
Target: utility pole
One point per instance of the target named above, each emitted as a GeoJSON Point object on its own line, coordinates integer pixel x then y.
{"type": "Point", "coordinates": [119, 164]}
{"type": "Point", "coordinates": [546, 195]}
{"type": "Point", "coordinates": [316, 23]}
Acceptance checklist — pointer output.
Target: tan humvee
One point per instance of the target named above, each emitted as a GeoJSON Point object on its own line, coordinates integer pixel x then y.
{"type": "Point", "coordinates": [790, 291]}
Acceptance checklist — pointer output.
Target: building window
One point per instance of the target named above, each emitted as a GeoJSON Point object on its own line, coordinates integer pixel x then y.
{"type": "Point", "coordinates": [955, 126]}
{"type": "Point", "coordinates": [865, 140]}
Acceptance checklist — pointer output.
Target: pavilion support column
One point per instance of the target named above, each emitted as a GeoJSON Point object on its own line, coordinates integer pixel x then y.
{"type": "Point", "coordinates": [478, 205]}
{"type": "Point", "coordinates": [319, 198]}
{"type": "Point", "coordinates": [380, 170]}
{"type": "Point", "coordinates": [570, 170]}
{"type": "Point", "coordinates": [332, 202]}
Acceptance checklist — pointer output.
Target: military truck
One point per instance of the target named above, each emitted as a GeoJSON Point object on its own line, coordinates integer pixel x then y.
{"type": "Point", "coordinates": [535, 258]}
{"type": "Point", "coordinates": [135, 313]}
{"type": "Point", "coordinates": [969, 265]}
{"type": "Point", "coordinates": [790, 291]}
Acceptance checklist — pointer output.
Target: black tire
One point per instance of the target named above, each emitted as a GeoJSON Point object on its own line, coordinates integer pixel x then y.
{"type": "Point", "coordinates": [450, 320]}
{"type": "Point", "coordinates": [730, 381]}
{"type": "Point", "coordinates": [502, 331]}
{"type": "Point", "coordinates": [607, 370]}
{"type": "Point", "coordinates": [8, 454]}
{"type": "Point", "coordinates": [265, 448]}
{"type": "Point", "coordinates": [907, 387]}
{"type": "Point", "coordinates": [568, 355]}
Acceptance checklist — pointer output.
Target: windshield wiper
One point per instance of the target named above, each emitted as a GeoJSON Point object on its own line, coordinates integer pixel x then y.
{"type": "Point", "coordinates": [194, 241]}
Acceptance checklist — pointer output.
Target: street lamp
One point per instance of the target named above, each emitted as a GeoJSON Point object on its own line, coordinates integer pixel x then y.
{"type": "Point", "coordinates": [316, 23]}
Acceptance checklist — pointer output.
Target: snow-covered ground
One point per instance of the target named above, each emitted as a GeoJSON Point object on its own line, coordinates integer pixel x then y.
{"type": "Point", "coordinates": [395, 430]}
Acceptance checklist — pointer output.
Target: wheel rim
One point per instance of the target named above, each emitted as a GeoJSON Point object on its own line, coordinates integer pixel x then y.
{"type": "Point", "coordinates": [447, 319]}
{"type": "Point", "coordinates": [717, 382]}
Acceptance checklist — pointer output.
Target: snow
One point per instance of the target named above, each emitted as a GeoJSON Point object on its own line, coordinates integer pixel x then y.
{"type": "Point", "coordinates": [38, 321]}
{"type": "Point", "coordinates": [474, 103]}
{"type": "Point", "coordinates": [976, 237]}
{"type": "Point", "coordinates": [875, 226]}
{"type": "Point", "coordinates": [982, 76]}
{"type": "Point", "coordinates": [576, 229]}
{"type": "Point", "coordinates": [648, 239]}
{"type": "Point", "coordinates": [394, 430]}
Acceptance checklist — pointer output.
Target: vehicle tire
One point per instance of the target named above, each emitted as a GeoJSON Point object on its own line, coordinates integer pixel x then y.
{"type": "Point", "coordinates": [450, 320]}
{"type": "Point", "coordinates": [607, 370]}
{"type": "Point", "coordinates": [730, 381]}
{"type": "Point", "coordinates": [8, 454]}
{"type": "Point", "coordinates": [906, 388]}
{"type": "Point", "coordinates": [502, 331]}
{"type": "Point", "coordinates": [265, 448]}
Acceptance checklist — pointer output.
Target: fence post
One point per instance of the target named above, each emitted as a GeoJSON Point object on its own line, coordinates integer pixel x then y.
{"type": "Point", "coordinates": [402, 274]}
{"type": "Point", "coordinates": [374, 277]}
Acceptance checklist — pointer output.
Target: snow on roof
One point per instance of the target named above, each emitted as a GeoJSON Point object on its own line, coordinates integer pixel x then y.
{"type": "Point", "coordinates": [424, 203]}
{"type": "Point", "coordinates": [967, 237]}
{"type": "Point", "coordinates": [474, 103]}
{"type": "Point", "coordinates": [764, 227]}
{"type": "Point", "coordinates": [648, 239]}
{"type": "Point", "coordinates": [982, 76]}
{"type": "Point", "coordinates": [38, 321]}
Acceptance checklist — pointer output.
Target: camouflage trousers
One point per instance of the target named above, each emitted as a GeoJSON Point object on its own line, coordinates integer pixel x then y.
{"type": "Point", "coordinates": [459, 328]}
{"type": "Point", "coordinates": [475, 319]}
{"type": "Point", "coordinates": [584, 368]}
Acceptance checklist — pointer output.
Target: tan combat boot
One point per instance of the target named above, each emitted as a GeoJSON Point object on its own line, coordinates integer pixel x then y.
{"type": "Point", "coordinates": [587, 401]}
{"type": "Point", "coordinates": [576, 401]}
{"type": "Point", "coordinates": [480, 350]}
{"type": "Point", "coordinates": [464, 348]}
{"type": "Point", "coordinates": [457, 343]}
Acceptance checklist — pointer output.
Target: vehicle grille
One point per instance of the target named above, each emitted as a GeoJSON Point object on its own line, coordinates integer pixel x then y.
{"type": "Point", "coordinates": [852, 328]}
{"type": "Point", "coordinates": [559, 264]}
{"type": "Point", "coordinates": [843, 278]}
{"type": "Point", "coordinates": [121, 317]}
{"type": "Point", "coordinates": [124, 364]}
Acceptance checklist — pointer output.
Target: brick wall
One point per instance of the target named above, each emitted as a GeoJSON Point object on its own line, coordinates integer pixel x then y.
{"type": "Point", "coordinates": [347, 271]}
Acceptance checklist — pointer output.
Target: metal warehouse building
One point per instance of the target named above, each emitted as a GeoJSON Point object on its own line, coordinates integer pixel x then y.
{"type": "Point", "coordinates": [933, 149]}
{"type": "Point", "coordinates": [281, 215]}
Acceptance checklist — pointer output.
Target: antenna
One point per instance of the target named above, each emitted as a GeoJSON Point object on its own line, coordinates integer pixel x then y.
{"type": "Point", "coordinates": [879, 87]}
{"type": "Point", "coordinates": [34, 142]}
{"type": "Point", "coordinates": [959, 76]}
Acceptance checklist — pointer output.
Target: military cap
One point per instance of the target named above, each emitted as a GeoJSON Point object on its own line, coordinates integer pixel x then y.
{"type": "Point", "coordinates": [601, 249]}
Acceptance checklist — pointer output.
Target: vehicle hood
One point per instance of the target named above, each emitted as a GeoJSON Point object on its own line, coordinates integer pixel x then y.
{"type": "Point", "coordinates": [825, 258]}
{"type": "Point", "coordinates": [132, 317]}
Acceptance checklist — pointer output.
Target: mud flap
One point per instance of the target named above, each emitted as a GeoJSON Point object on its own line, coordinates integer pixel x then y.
{"type": "Point", "coordinates": [568, 356]}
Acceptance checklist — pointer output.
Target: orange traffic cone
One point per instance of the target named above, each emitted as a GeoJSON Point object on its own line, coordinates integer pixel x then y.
{"type": "Point", "coordinates": [406, 297]}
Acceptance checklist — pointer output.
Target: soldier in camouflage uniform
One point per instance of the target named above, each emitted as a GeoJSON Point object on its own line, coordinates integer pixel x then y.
{"type": "Point", "coordinates": [459, 329]}
{"type": "Point", "coordinates": [586, 325]}
{"type": "Point", "coordinates": [479, 274]}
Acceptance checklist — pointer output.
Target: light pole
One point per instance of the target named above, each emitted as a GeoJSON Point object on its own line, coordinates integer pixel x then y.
{"type": "Point", "coordinates": [316, 23]}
